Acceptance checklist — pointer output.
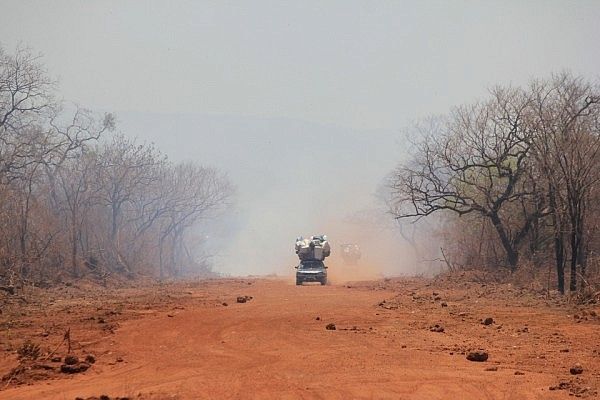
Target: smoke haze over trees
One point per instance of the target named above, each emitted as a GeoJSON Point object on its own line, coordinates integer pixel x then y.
{"type": "Point", "coordinates": [78, 198]}
{"type": "Point", "coordinates": [301, 107]}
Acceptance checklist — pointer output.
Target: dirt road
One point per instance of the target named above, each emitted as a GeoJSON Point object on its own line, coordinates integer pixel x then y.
{"type": "Point", "coordinates": [276, 346]}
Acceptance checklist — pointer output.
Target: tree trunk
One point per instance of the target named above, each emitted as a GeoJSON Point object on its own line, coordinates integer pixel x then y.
{"type": "Point", "coordinates": [74, 268]}
{"type": "Point", "coordinates": [114, 227]}
{"type": "Point", "coordinates": [559, 253]}
{"type": "Point", "coordinates": [559, 248]}
{"type": "Point", "coordinates": [582, 259]}
{"type": "Point", "coordinates": [174, 265]}
{"type": "Point", "coordinates": [581, 250]}
{"type": "Point", "coordinates": [114, 237]}
{"type": "Point", "coordinates": [573, 282]}
{"type": "Point", "coordinates": [74, 239]}
{"type": "Point", "coordinates": [160, 257]}
{"type": "Point", "coordinates": [512, 258]}
{"type": "Point", "coordinates": [24, 229]}
{"type": "Point", "coordinates": [512, 255]}
{"type": "Point", "coordinates": [576, 243]}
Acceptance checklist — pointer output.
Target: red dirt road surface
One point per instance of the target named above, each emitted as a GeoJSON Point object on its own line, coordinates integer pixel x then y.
{"type": "Point", "coordinates": [195, 341]}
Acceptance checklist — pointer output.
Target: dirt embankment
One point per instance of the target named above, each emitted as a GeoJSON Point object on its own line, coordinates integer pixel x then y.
{"type": "Point", "coordinates": [252, 338]}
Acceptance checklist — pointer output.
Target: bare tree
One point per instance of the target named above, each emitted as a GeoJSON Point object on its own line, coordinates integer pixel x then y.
{"type": "Point", "coordinates": [78, 195]}
{"type": "Point", "coordinates": [25, 89]}
{"type": "Point", "coordinates": [196, 193]}
{"type": "Point", "coordinates": [566, 121]}
{"type": "Point", "coordinates": [124, 169]}
{"type": "Point", "coordinates": [476, 161]}
{"type": "Point", "coordinates": [26, 97]}
{"type": "Point", "coordinates": [68, 198]}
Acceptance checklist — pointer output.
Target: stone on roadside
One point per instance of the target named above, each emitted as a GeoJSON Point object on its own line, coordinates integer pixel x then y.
{"type": "Point", "coordinates": [576, 369]}
{"type": "Point", "coordinates": [74, 369]}
{"type": "Point", "coordinates": [244, 299]}
{"type": "Point", "coordinates": [477, 356]}
{"type": "Point", "coordinates": [71, 360]}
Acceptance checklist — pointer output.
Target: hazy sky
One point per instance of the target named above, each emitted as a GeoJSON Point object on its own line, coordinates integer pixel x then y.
{"type": "Point", "coordinates": [369, 64]}
{"type": "Point", "coordinates": [300, 102]}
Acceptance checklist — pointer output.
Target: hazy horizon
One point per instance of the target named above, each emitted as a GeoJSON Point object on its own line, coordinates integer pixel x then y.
{"type": "Point", "coordinates": [297, 182]}
{"type": "Point", "coordinates": [301, 104]}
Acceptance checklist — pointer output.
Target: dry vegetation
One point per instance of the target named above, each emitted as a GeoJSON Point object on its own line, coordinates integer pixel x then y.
{"type": "Point", "coordinates": [77, 200]}
{"type": "Point", "coordinates": [515, 179]}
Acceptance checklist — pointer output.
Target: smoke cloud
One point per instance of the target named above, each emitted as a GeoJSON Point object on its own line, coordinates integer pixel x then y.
{"type": "Point", "coordinates": [293, 178]}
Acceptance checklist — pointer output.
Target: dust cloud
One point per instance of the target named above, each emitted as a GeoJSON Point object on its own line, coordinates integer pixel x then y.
{"type": "Point", "coordinates": [383, 251]}
{"type": "Point", "coordinates": [292, 178]}
{"type": "Point", "coordinates": [348, 214]}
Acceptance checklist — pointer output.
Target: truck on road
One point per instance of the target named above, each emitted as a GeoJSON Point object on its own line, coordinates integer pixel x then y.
{"type": "Point", "coordinates": [312, 252]}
